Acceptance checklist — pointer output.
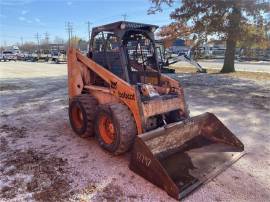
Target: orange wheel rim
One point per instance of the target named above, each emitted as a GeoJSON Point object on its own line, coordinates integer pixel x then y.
{"type": "Point", "coordinates": [77, 117]}
{"type": "Point", "coordinates": [106, 129]}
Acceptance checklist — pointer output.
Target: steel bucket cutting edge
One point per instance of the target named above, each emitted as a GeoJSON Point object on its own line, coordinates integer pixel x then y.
{"type": "Point", "coordinates": [182, 156]}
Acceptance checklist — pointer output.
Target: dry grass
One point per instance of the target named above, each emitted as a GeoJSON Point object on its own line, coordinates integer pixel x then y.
{"type": "Point", "coordinates": [239, 74]}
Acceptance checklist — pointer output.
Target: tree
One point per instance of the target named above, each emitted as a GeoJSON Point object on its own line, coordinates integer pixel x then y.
{"type": "Point", "coordinates": [28, 46]}
{"type": "Point", "coordinates": [222, 18]}
{"type": "Point", "coordinates": [255, 37]}
{"type": "Point", "coordinates": [74, 41]}
{"type": "Point", "coordinates": [174, 30]}
{"type": "Point", "coordinates": [59, 40]}
{"type": "Point", "coordinates": [83, 44]}
{"type": "Point", "coordinates": [171, 32]}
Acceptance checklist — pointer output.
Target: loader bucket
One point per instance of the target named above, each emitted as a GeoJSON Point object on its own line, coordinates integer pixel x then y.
{"type": "Point", "coordinates": [182, 156]}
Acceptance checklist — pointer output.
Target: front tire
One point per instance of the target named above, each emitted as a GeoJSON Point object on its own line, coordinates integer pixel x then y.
{"type": "Point", "coordinates": [115, 128]}
{"type": "Point", "coordinates": [82, 111]}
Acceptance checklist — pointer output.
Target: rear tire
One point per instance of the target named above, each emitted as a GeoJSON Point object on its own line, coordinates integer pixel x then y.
{"type": "Point", "coordinates": [82, 111]}
{"type": "Point", "coordinates": [115, 128]}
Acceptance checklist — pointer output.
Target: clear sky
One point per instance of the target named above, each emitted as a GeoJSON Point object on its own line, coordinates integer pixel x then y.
{"type": "Point", "coordinates": [22, 19]}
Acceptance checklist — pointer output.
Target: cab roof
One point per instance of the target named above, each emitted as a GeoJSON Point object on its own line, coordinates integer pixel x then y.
{"type": "Point", "coordinates": [116, 26]}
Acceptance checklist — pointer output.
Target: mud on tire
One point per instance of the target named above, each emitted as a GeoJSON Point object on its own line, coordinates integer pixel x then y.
{"type": "Point", "coordinates": [124, 127]}
{"type": "Point", "coordinates": [82, 111]}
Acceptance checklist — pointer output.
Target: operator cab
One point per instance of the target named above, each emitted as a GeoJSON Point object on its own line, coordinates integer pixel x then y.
{"type": "Point", "coordinates": [128, 50]}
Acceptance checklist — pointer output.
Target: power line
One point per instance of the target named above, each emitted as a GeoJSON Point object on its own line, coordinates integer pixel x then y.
{"type": "Point", "coordinates": [21, 41]}
{"type": "Point", "coordinates": [89, 29]}
{"type": "Point", "coordinates": [124, 16]}
{"type": "Point", "coordinates": [38, 38]}
{"type": "Point", "coordinates": [69, 26]}
{"type": "Point", "coordinates": [69, 29]}
{"type": "Point", "coordinates": [46, 34]}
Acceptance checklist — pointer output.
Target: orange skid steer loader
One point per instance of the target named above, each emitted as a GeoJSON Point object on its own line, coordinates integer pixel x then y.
{"type": "Point", "coordinates": [118, 94]}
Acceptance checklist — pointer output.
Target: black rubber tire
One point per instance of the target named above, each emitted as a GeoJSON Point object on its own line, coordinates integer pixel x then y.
{"type": "Point", "coordinates": [88, 106]}
{"type": "Point", "coordinates": [124, 124]}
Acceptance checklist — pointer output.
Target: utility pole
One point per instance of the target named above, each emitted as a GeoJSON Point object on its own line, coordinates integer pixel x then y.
{"type": "Point", "coordinates": [124, 16]}
{"type": "Point", "coordinates": [89, 30]}
{"type": "Point", "coordinates": [37, 37]}
{"type": "Point", "coordinates": [46, 39]}
{"type": "Point", "coordinates": [21, 41]}
{"type": "Point", "coordinates": [69, 29]}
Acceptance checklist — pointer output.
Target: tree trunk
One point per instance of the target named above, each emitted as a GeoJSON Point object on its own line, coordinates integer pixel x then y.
{"type": "Point", "coordinates": [232, 37]}
{"type": "Point", "coordinates": [228, 65]}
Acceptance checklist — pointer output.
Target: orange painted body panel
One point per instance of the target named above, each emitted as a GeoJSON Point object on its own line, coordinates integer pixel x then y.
{"type": "Point", "coordinates": [118, 90]}
{"type": "Point", "coordinates": [117, 87]}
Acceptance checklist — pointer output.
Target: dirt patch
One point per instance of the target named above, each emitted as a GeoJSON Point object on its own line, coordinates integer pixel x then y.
{"type": "Point", "coordinates": [260, 101]}
{"type": "Point", "coordinates": [57, 191]}
{"type": "Point", "coordinates": [110, 193]}
{"type": "Point", "coordinates": [5, 87]}
{"type": "Point", "coordinates": [90, 189]}
{"type": "Point", "coordinates": [13, 131]}
{"type": "Point", "coordinates": [41, 174]}
{"type": "Point", "coordinates": [3, 144]}
{"type": "Point", "coordinates": [8, 192]}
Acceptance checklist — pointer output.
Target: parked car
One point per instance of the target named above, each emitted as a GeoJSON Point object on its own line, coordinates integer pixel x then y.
{"type": "Point", "coordinates": [20, 56]}
{"type": "Point", "coordinates": [34, 57]}
{"type": "Point", "coordinates": [2, 58]}
{"type": "Point", "coordinates": [40, 56]}
{"type": "Point", "coordinates": [59, 56]}
{"type": "Point", "coordinates": [9, 55]}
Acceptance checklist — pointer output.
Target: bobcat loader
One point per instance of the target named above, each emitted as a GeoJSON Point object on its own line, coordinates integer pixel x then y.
{"type": "Point", "coordinates": [117, 94]}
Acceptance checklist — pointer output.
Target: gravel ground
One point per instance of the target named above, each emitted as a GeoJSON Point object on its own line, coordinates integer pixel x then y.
{"type": "Point", "coordinates": [41, 159]}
